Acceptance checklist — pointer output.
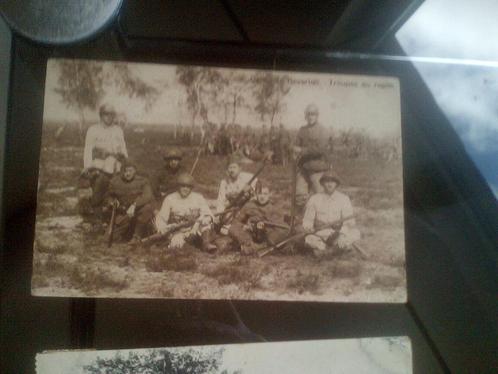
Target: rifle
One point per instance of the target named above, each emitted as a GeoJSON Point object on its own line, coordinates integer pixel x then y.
{"type": "Point", "coordinates": [147, 241]}
{"type": "Point", "coordinates": [235, 202]}
{"type": "Point", "coordinates": [112, 224]}
{"type": "Point", "coordinates": [301, 235]}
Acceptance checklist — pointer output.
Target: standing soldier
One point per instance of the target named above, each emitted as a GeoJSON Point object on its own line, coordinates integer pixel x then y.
{"type": "Point", "coordinates": [257, 224]}
{"type": "Point", "coordinates": [105, 148]}
{"type": "Point", "coordinates": [311, 149]}
{"type": "Point", "coordinates": [164, 180]}
{"type": "Point", "coordinates": [133, 197]}
{"type": "Point", "coordinates": [186, 206]}
{"type": "Point", "coordinates": [325, 208]}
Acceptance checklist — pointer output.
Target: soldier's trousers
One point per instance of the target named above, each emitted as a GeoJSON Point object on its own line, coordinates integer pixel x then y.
{"type": "Point", "coordinates": [307, 184]}
{"type": "Point", "coordinates": [198, 234]}
{"type": "Point", "coordinates": [100, 185]}
{"type": "Point", "coordinates": [245, 238]}
{"type": "Point", "coordinates": [139, 225]}
{"type": "Point", "coordinates": [317, 242]}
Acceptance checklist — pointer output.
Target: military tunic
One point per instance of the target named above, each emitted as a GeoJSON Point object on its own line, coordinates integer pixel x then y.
{"type": "Point", "coordinates": [139, 192]}
{"type": "Point", "coordinates": [313, 161]}
{"type": "Point", "coordinates": [323, 209]}
{"type": "Point", "coordinates": [164, 181]}
{"type": "Point", "coordinates": [177, 209]}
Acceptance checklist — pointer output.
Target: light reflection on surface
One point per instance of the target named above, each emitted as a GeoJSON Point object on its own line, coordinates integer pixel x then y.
{"type": "Point", "coordinates": [467, 94]}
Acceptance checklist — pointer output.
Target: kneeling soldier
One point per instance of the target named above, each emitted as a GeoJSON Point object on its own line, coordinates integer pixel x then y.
{"type": "Point", "coordinates": [133, 197]}
{"type": "Point", "coordinates": [325, 208]}
{"type": "Point", "coordinates": [186, 206]}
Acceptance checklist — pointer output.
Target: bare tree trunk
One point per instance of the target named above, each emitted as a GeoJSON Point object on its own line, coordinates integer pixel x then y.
{"type": "Point", "coordinates": [81, 126]}
{"type": "Point", "coordinates": [234, 112]}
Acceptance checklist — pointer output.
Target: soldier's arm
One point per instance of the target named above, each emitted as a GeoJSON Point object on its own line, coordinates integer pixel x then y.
{"type": "Point", "coordinates": [146, 196]}
{"type": "Point", "coordinates": [87, 152]}
{"type": "Point", "coordinates": [309, 215]}
{"type": "Point", "coordinates": [122, 143]}
{"type": "Point", "coordinates": [204, 207]}
{"type": "Point", "coordinates": [222, 199]}
{"type": "Point", "coordinates": [349, 228]}
{"type": "Point", "coordinates": [162, 216]}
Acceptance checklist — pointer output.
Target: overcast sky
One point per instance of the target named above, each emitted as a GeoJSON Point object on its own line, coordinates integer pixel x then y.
{"type": "Point", "coordinates": [359, 356]}
{"type": "Point", "coordinates": [466, 92]}
{"type": "Point", "coordinates": [367, 103]}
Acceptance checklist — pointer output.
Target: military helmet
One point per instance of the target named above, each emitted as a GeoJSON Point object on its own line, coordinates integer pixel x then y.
{"type": "Point", "coordinates": [185, 179]}
{"type": "Point", "coordinates": [128, 163]}
{"type": "Point", "coordinates": [106, 108]}
{"type": "Point", "coordinates": [172, 153]}
{"type": "Point", "coordinates": [311, 108]}
{"type": "Point", "coordinates": [329, 176]}
{"type": "Point", "coordinates": [234, 159]}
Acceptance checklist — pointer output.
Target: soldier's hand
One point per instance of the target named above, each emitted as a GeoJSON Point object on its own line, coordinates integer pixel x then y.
{"type": "Point", "coordinates": [131, 210]}
{"type": "Point", "coordinates": [343, 242]}
{"type": "Point", "coordinates": [206, 220]}
{"type": "Point", "coordinates": [224, 230]}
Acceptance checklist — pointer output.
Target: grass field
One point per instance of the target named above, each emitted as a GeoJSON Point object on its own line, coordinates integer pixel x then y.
{"type": "Point", "coordinates": [69, 261]}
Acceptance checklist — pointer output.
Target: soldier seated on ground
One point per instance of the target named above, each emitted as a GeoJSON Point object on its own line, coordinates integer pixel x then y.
{"type": "Point", "coordinates": [186, 206]}
{"type": "Point", "coordinates": [256, 225]}
{"type": "Point", "coordinates": [133, 198]}
{"type": "Point", "coordinates": [231, 187]}
{"type": "Point", "coordinates": [323, 209]}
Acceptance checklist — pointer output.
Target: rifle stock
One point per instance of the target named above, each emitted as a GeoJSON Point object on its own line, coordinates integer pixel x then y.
{"type": "Point", "coordinates": [112, 224]}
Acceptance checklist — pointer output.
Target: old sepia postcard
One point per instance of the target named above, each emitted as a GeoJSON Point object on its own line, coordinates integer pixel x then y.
{"type": "Point", "coordinates": [175, 181]}
{"type": "Point", "coordinates": [372, 356]}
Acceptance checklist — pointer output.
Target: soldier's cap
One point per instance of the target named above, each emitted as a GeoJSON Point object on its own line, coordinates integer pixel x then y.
{"type": "Point", "coordinates": [106, 108]}
{"type": "Point", "coordinates": [127, 163]}
{"type": "Point", "coordinates": [329, 176]}
{"type": "Point", "coordinates": [311, 108]}
{"type": "Point", "coordinates": [185, 179]}
{"type": "Point", "coordinates": [172, 153]}
{"type": "Point", "coordinates": [234, 159]}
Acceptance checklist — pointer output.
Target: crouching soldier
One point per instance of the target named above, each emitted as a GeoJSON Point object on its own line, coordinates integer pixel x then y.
{"type": "Point", "coordinates": [133, 199]}
{"type": "Point", "coordinates": [164, 180]}
{"type": "Point", "coordinates": [256, 226]}
{"type": "Point", "coordinates": [323, 209]}
{"type": "Point", "coordinates": [186, 206]}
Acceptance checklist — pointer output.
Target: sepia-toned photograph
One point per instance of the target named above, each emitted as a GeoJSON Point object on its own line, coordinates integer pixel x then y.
{"type": "Point", "coordinates": [390, 355]}
{"type": "Point", "coordinates": [197, 182]}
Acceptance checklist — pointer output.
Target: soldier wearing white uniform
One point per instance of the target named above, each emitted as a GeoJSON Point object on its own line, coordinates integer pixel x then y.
{"type": "Point", "coordinates": [104, 147]}
{"type": "Point", "coordinates": [325, 208]}
{"type": "Point", "coordinates": [184, 206]}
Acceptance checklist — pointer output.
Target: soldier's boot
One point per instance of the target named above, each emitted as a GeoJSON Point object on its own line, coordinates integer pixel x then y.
{"type": "Point", "coordinates": [206, 239]}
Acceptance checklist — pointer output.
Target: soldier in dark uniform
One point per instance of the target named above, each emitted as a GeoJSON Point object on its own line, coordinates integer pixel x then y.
{"type": "Point", "coordinates": [256, 225]}
{"type": "Point", "coordinates": [164, 180]}
{"type": "Point", "coordinates": [313, 161]}
{"type": "Point", "coordinates": [134, 199]}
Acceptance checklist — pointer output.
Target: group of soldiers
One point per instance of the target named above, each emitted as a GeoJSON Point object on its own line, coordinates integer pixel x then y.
{"type": "Point", "coordinates": [230, 139]}
{"type": "Point", "coordinates": [164, 207]}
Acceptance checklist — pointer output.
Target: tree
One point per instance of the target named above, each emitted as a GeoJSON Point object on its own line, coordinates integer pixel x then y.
{"type": "Point", "coordinates": [82, 84]}
{"type": "Point", "coordinates": [159, 361]}
{"type": "Point", "coordinates": [269, 90]}
{"type": "Point", "coordinates": [202, 86]}
{"type": "Point", "coordinates": [81, 87]}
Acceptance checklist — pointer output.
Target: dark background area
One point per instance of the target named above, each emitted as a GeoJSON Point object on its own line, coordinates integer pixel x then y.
{"type": "Point", "coordinates": [451, 214]}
